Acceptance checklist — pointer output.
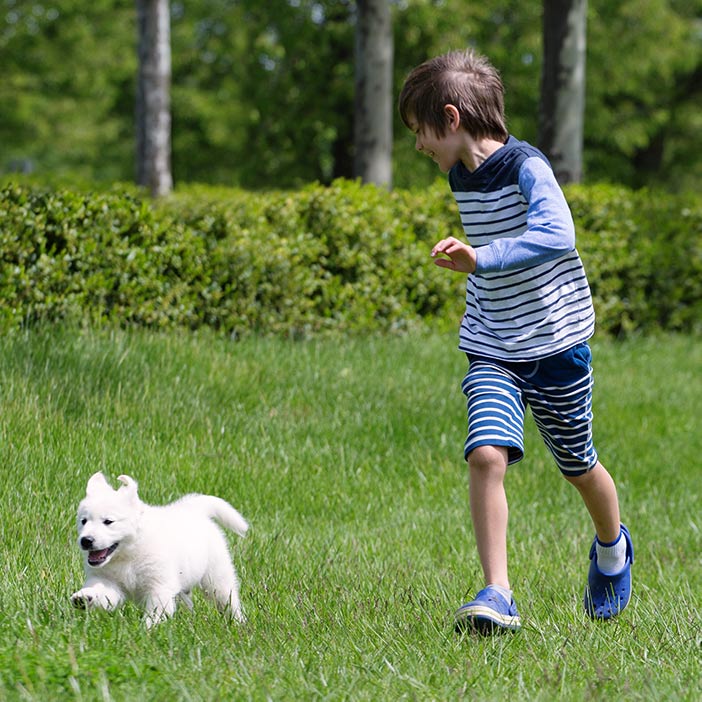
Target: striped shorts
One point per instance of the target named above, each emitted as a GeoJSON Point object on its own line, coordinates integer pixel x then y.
{"type": "Point", "coordinates": [558, 389]}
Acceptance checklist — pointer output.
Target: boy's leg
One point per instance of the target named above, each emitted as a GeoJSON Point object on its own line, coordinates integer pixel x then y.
{"type": "Point", "coordinates": [495, 414]}
{"type": "Point", "coordinates": [495, 439]}
{"type": "Point", "coordinates": [489, 511]}
{"type": "Point", "coordinates": [599, 493]}
{"type": "Point", "coordinates": [560, 396]}
{"type": "Point", "coordinates": [493, 608]}
{"type": "Point", "coordinates": [608, 589]}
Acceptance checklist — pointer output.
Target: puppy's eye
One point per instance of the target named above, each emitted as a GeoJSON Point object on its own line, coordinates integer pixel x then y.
{"type": "Point", "coordinates": [84, 521]}
{"type": "Point", "coordinates": [107, 522]}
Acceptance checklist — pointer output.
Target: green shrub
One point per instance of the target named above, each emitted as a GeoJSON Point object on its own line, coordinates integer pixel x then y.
{"type": "Point", "coordinates": [643, 255]}
{"type": "Point", "coordinates": [348, 258]}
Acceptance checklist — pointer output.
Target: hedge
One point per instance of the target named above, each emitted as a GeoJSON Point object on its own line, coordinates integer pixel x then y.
{"type": "Point", "coordinates": [344, 258]}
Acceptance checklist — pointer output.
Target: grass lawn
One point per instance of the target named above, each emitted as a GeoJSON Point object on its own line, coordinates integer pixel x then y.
{"type": "Point", "coordinates": [345, 457]}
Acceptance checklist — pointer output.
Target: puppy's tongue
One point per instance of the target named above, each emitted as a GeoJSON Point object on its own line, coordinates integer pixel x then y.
{"type": "Point", "coordinates": [96, 557]}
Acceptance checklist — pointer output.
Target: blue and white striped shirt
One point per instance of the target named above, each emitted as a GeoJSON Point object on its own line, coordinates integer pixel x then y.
{"type": "Point", "coordinates": [528, 297]}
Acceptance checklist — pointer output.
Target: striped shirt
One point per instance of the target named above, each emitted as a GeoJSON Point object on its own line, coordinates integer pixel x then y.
{"type": "Point", "coordinates": [529, 297]}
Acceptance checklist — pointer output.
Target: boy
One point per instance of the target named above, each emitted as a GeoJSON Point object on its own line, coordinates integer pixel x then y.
{"type": "Point", "coordinates": [528, 317]}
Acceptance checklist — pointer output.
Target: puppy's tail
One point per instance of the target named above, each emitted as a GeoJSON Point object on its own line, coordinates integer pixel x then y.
{"type": "Point", "coordinates": [221, 511]}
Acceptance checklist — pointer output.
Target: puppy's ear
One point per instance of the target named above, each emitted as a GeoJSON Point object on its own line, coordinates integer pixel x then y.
{"type": "Point", "coordinates": [129, 486]}
{"type": "Point", "coordinates": [96, 484]}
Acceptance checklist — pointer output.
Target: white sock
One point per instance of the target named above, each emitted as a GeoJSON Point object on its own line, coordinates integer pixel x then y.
{"type": "Point", "coordinates": [611, 558]}
{"type": "Point", "coordinates": [507, 594]}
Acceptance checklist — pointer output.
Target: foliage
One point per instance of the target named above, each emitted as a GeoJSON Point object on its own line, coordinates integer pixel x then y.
{"type": "Point", "coordinates": [67, 91]}
{"type": "Point", "coordinates": [644, 74]}
{"type": "Point", "coordinates": [643, 254]}
{"type": "Point", "coordinates": [346, 460]}
{"type": "Point", "coordinates": [344, 258]}
{"type": "Point", "coordinates": [262, 93]}
{"type": "Point", "coordinates": [325, 258]}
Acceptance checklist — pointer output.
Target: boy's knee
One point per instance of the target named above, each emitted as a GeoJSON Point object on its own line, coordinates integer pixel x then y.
{"type": "Point", "coordinates": [484, 458]}
{"type": "Point", "coordinates": [575, 479]}
{"type": "Point", "coordinates": [586, 477]}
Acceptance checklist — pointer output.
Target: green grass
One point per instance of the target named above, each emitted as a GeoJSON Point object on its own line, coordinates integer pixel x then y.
{"type": "Point", "coordinates": [345, 456]}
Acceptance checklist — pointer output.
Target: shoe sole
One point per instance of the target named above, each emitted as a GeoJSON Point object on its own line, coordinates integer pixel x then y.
{"type": "Point", "coordinates": [484, 620]}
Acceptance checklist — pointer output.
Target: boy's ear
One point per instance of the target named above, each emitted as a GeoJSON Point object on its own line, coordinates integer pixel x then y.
{"type": "Point", "coordinates": [453, 117]}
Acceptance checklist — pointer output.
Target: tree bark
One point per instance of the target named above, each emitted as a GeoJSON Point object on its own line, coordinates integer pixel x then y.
{"type": "Point", "coordinates": [153, 103]}
{"type": "Point", "coordinates": [562, 110]}
{"type": "Point", "coordinates": [373, 111]}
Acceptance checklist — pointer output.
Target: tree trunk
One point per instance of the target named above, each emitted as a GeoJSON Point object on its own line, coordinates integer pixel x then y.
{"type": "Point", "coordinates": [562, 110]}
{"type": "Point", "coordinates": [153, 103]}
{"type": "Point", "coordinates": [373, 99]}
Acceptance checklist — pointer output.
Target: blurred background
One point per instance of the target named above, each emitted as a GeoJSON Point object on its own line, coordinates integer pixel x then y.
{"type": "Point", "coordinates": [262, 91]}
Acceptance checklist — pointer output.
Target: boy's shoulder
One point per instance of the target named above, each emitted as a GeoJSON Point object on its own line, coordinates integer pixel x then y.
{"type": "Point", "coordinates": [499, 170]}
{"type": "Point", "coordinates": [519, 151]}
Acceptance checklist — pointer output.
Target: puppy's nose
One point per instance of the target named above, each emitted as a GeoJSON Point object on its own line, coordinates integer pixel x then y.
{"type": "Point", "coordinates": [86, 543]}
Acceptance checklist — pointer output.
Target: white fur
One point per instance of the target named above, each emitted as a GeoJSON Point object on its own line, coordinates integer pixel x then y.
{"type": "Point", "coordinates": [161, 552]}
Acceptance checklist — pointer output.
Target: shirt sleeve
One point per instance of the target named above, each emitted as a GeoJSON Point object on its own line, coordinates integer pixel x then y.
{"type": "Point", "coordinates": [549, 233]}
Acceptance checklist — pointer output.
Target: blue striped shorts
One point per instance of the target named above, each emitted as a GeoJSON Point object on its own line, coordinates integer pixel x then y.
{"type": "Point", "coordinates": [557, 389]}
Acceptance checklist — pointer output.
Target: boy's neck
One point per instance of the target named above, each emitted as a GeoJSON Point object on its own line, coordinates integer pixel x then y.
{"type": "Point", "coordinates": [477, 151]}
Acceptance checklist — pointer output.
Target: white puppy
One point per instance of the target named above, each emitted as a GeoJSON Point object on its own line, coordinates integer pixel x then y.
{"type": "Point", "coordinates": [154, 554]}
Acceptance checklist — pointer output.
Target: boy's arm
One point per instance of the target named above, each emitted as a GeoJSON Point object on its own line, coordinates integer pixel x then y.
{"type": "Point", "coordinates": [550, 231]}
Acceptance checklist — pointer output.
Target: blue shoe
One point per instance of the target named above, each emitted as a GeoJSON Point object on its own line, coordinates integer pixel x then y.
{"type": "Point", "coordinates": [607, 595]}
{"type": "Point", "coordinates": [489, 611]}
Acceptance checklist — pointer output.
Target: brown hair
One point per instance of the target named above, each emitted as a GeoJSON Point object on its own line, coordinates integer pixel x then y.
{"type": "Point", "coordinates": [464, 79]}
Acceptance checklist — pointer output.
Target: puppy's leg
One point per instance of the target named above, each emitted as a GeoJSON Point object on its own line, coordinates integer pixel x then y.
{"type": "Point", "coordinates": [222, 585]}
{"type": "Point", "coordinates": [233, 605]}
{"type": "Point", "coordinates": [159, 606]}
{"type": "Point", "coordinates": [186, 599]}
{"type": "Point", "coordinates": [98, 594]}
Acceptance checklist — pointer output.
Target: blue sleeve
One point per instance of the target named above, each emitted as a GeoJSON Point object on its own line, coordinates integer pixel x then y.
{"type": "Point", "coordinates": [550, 232]}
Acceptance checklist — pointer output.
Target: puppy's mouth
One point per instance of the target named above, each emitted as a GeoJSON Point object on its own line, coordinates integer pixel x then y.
{"type": "Point", "coordinates": [100, 557]}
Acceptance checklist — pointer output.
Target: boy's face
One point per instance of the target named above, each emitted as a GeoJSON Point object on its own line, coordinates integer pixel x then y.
{"type": "Point", "coordinates": [444, 150]}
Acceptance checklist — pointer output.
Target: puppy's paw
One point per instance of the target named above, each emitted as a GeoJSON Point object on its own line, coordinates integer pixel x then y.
{"type": "Point", "coordinates": [238, 616]}
{"type": "Point", "coordinates": [151, 620]}
{"type": "Point", "coordinates": [82, 599]}
{"type": "Point", "coordinates": [97, 596]}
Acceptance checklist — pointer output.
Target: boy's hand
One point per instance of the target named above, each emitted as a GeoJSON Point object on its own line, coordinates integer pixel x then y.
{"type": "Point", "coordinates": [461, 257]}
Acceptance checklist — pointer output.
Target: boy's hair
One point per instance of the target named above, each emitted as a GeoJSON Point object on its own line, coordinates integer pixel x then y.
{"type": "Point", "coordinates": [464, 79]}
